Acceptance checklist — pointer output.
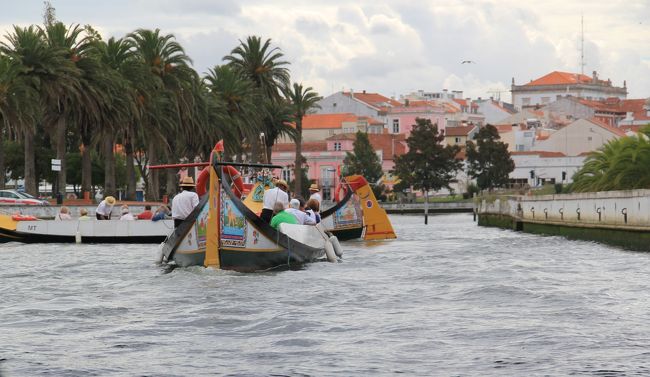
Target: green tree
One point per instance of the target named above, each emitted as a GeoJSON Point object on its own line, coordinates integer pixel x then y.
{"type": "Point", "coordinates": [49, 71]}
{"type": "Point", "coordinates": [18, 103]}
{"type": "Point", "coordinates": [488, 159]}
{"type": "Point", "coordinates": [263, 65]}
{"type": "Point", "coordinates": [428, 165]}
{"type": "Point", "coordinates": [303, 102]}
{"type": "Point", "coordinates": [170, 106]}
{"type": "Point", "coordinates": [621, 164]}
{"type": "Point", "coordinates": [364, 161]}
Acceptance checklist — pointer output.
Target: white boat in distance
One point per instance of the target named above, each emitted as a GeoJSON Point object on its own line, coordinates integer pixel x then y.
{"type": "Point", "coordinates": [89, 231]}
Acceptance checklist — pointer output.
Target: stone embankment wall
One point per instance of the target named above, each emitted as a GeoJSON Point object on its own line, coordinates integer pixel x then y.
{"type": "Point", "coordinates": [615, 217]}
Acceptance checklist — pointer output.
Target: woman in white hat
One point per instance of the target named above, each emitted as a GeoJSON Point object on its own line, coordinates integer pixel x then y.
{"type": "Point", "coordinates": [184, 203]}
{"type": "Point", "coordinates": [315, 194]}
{"type": "Point", "coordinates": [104, 209]}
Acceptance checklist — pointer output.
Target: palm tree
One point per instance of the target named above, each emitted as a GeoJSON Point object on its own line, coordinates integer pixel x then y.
{"type": "Point", "coordinates": [124, 81]}
{"type": "Point", "coordinates": [303, 101]}
{"type": "Point", "coordinates": [59, 104]}
{"type": "Point", "coordinates": [239, 99]}
{"type": "Point", "coordinates": [165, 109]}
{"type": "Point", "coordinates": [18, 103]}
{"type": "Point", "coordinates": [48, 71]}
{"type": "Point", "coordinates": [276, 124]}
{"type": "Point", "coordinates": [262, 64]}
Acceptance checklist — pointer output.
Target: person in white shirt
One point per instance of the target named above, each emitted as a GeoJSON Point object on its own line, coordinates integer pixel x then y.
{"type": "Point", "coordinates": [125, 213]}
{"type": "Point", "coordinates": [315, 193]}
{"type": "Point", "coordinates": [104, 209]}
{"type": "Point", "coordinates": [184, 203]}
{"type": "Point", "coordinates": [271, 196]}
{"type": "Point", "coordinates": [296, 208]}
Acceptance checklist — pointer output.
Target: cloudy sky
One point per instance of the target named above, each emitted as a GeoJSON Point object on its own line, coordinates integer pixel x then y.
{"type": "Point", "coordinates": [390, 47]}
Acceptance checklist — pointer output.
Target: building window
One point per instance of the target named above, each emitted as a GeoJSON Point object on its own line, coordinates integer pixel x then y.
{"type": "Point", "coordinates": [525, 101]}
{"type": "Point", "coordinates": [457, 140]}
{"type": "Point", "coordinates": [286, 174]}
{"type": "Point", "coordinates": [395, 126]}
{"type": "Point", "coordinates": [337, 146]}
{"type": "Point", "coordinates": [334, 104]}
{"type": "Point", "coordinates": [558, 97]}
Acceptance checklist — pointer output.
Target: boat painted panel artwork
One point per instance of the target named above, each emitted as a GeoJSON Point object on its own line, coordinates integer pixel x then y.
{"type": "Point", "coordinates": [202, 227]}
{"type": "Point", "coordinates": [233, 224]}
{"type": "Point", "coordinates": [350, 215]}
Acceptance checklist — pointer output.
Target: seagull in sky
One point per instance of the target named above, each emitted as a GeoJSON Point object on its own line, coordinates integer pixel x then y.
{"type": "Point", "coordinates": [468, 62]}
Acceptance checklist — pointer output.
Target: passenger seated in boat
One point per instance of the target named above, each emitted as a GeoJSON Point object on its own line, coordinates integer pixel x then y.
{"type": "Point", "coordinates": [83, 214]}
{"type": "Point", "coordinates": [296, 209]}
{"type": "Point", "coordinates": [64, 214]}
{"type": "Point", "coordinates": [272, 196]}
{"type": "Point", "coordinates": [161, 213]}
{"type": "Point", "coordinates": [125, 213]}
{"type": "Point", "coordinates": [104, 209]}
{"type": "Point", "coordinates": [147, 214]}
{"type": "Point", "coordinates": [313, 210]}
{"type": "Point", "coordinates": [280, 215]}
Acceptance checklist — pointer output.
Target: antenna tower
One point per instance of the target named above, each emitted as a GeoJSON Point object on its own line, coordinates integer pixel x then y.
{"type": "Point", "coordinates": [582, 44]}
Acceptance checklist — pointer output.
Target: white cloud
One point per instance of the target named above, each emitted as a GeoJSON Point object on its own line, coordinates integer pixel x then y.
{"type": "Point", "coordinates": [391, 46]}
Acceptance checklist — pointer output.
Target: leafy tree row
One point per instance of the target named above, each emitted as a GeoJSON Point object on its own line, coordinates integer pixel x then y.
{"type": "Point", "coordinates": [83, 93]}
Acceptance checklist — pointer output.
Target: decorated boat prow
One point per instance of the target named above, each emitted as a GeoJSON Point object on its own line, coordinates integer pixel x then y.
{"type": "Point", "coordinates": [222, 232]}
{"type": "Point", "coordinates": [357, 213]}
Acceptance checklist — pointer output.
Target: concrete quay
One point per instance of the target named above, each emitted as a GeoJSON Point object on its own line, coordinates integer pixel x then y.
{"type": "Point", "coordinates": [619, 218]}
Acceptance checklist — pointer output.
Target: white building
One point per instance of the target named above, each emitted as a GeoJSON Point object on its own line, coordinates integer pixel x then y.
{"type": "Point", "coordinates": [579, 137]}
{"type": "Point", "coordinates": [536, 168]}
{"type": "Point", "coordinates": [556, 85]}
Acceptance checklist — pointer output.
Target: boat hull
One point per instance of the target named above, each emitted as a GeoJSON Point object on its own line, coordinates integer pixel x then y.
{"type": "Point", "coordinates": [238, 238]}
{"type": "Point", "coordinates": [90, 231]}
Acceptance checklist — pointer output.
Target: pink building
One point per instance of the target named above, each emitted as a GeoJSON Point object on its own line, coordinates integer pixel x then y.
{"type": "Point", "coordinates": [402, 118]}
{"type": "Point", "coordinates": [324, 158]}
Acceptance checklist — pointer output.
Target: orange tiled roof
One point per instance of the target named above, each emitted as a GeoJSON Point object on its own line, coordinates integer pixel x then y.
{"type": "Point", "coordinates": [503, 128]}
{"type": "Point", "coordinates": [374, 99]}
{"type": "Point", "coordinates": [614, 130]}
{"type": "Point", "coordinates": [636, 107]}
{"type": "Point", "coordinates": [325, 121]}
{"type": "Point", "coordinates": [459, 131]}
{"type": "Point", "coordinates": [390, 144]}
{"type": "Point", "coordinates": [371, 120]}
{"type": "Point", "coordinates": [634, 128]}
{"type": "Point", "coordinates": [560, 78]}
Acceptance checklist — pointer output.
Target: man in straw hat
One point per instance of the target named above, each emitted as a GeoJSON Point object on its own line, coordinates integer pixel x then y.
{"type": "Point", "coordinates": [315, 193]}
{"type": "Point", "coordinates": [272, 196]}
{"type": "Point", "coordinates": [184, 203]}
{"type": "Point", "coordinates": [104, 209]}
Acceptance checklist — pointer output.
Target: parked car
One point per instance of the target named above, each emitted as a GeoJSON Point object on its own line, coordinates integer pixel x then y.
{"type": "Point", "coordinates": [20, 198]}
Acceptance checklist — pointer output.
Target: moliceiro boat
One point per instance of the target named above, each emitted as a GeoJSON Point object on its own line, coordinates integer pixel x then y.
{"type": "Point", "coordinates": [32, 230]}
{"type": "Point", "coordinates": [222, 232]}
{"type": "Point", "coordinates": [357, 213]}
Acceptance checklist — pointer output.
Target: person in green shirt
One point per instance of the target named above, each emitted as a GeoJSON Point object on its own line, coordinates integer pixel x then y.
{"type": "Point", "coordinates": [281, 216]}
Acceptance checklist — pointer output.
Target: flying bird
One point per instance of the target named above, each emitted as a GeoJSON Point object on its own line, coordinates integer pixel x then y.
{"type": "Point", "coordinates": [468, 62]}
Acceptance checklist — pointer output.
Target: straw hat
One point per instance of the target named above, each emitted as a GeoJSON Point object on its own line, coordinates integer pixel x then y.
{"type": "Point", "coordinates": [110, 200]}
{"type": "Point", "coordinates": [314, 187]}
{"type": "Point", "coordinates": [282, 182]}
{"type": "Point", "coordinates": [187, 182]}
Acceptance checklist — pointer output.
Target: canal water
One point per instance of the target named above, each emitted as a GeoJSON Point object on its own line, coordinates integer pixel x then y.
{"type": "Point", "coordinates": [447, 299]}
